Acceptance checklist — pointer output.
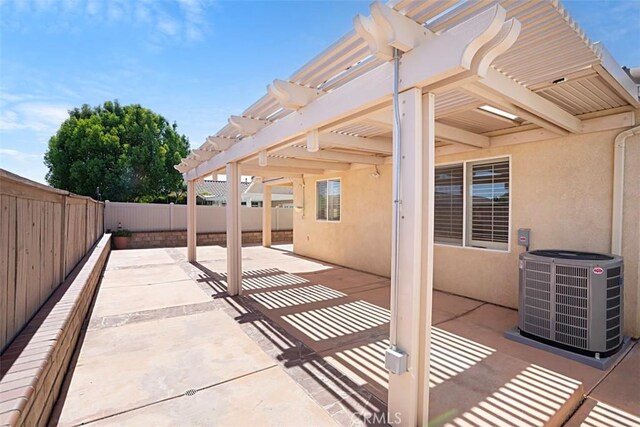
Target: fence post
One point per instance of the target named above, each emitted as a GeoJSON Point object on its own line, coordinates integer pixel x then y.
{"type": "Point", "coordinates": [171, 216]}
{"type": "Point", "coordinates": [86, 225]}
{"type": "Point", "coordinates": [63, 239]}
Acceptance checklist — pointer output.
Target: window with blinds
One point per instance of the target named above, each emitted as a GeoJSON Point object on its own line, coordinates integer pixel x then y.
{"type": "Point", "coordinates": [449, 204]}
{"type": "Point", "coordinates": [328, 194]}
{"type": "Point", "coordinates": [333, 200]}
{"type": "Point", "coordinates": [321, 200]}
{"type": "Point", "coordinates": [471, 204]}
{"type": "Point", "coordinates": [488, 204]}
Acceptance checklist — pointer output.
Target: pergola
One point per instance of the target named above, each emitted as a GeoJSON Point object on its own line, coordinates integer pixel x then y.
{"type": "Point", "coordinates": [415, 79]}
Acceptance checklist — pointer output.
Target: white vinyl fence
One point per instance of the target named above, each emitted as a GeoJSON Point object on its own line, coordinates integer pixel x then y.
{"type": "Point", "coordinates": [211, 219]}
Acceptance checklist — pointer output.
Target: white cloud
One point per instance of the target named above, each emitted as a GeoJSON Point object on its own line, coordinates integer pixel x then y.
{"type": "Point", "coordinates": [182, 24]}
{"type": "Point", "coordinates": [168, 26]}
{"type": "Point", "coordinates": [28, 165]}
{"type": "Point", "coordinates": [194, 22]}
{"type": "Point", "coordinates": [93, 7]}
{"type": "Point", "coordinates": [18, 155]}
{"type": "Point", "coordinates": [36, 116]}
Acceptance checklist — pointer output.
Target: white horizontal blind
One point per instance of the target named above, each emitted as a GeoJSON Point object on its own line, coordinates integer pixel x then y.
{"type": "Point", "coordinates": [449, 204]}
{"type": "Point", "coordinates": [333, 200]}
{"type": "Point", "coordinates": [321, 200]}
{"type": "Point", "coordinates": [489, 204]}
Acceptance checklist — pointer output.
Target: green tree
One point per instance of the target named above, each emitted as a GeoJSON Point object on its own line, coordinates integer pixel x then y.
{"type": "Point", "coordinates": [127, 152]}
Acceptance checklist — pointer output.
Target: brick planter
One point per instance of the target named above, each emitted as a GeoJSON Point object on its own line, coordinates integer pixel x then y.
{"type": "Point", "coordinates": [171, 239]}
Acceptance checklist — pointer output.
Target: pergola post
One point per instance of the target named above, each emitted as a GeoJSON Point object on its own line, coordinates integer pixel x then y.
{"type": "Point", "coordinates": [266, 215]}
{"type": "Point", "coordinates": [412, 264]}
{"type": "Point", "coordinates": [192, 225]}
{"type": "Point", "coordinates": [234, 233]}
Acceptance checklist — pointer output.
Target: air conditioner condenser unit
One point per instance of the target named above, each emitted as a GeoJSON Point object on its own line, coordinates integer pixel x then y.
{"type": "Point", "coordinates": [573, 300]}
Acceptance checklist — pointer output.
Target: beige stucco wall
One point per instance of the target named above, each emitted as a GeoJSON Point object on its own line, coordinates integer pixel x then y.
{"type": "Point", "coordinates": [561, 189]}
{"type": "Point", "coordinates": [362, 238]}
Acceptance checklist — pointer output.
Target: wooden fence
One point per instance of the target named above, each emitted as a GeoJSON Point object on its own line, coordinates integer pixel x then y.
{"type": "Point", "coordinates": [44, 233]}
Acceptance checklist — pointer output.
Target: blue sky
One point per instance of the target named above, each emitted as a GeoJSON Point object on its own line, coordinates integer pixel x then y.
{"type": "Point", "coordinates": [195, 62]}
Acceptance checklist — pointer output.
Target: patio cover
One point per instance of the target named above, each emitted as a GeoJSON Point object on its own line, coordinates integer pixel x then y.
{"type": "Point", "coordinates": [471, 75]}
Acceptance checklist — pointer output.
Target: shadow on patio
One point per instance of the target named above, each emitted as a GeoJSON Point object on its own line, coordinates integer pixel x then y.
{"type": "Point", "coordinates": [329, 326]}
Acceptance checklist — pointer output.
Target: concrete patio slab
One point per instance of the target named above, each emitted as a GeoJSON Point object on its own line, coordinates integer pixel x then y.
{"type": "Point", "coordinates": [343, 279]}
{"type": "Point", "coordinates": [148, 275]}
{"type": "Point", "coordinates": [599, 414]}
{"type": "Point", "coordinates": [266, 398]}
{"type": "Point", "coordinates": [138, 257]}
{"type": "Point", "coordinates": [128, 299]}
{"type": "Point", "coordinates": [621, 388]}
{"type": "Point", "coordinates": [476, 330]}
{"type": "Point", "coordinates": [123, 368]}
{"type": "Point", "coordinates": [327, 328]}
{"type": "Point", "coordinates": [450, 306]}
{"type": "Point", "coordinates": [475, 370]}
{"type": "Point", "coordinates": [482, 326]}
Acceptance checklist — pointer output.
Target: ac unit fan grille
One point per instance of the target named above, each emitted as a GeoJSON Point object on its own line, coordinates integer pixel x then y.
{"type": "Point", "coordinates": [571, 292]}
{"type": "Point", "coordinates": [537, 298]}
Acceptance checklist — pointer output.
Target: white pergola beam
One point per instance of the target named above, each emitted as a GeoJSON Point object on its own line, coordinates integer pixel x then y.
{"type": "Point", "coordinates": [498, 87]}
{"type": "Point", "coordinates": [182, 167]}
{"type": "Point", "coordinates": [498, 101]}
{"type": "Point", "coordinates": [338, 140]}
{"type": "Point", "coordinates": [461, 136]}
{"type": "Point", "coordinates": [204, 154]}
{"type": "Point", "coordinates": [219, 144]}
{"type": "Point", "coordinates": [302, 153]}
{"type": "Point", "coordinates": [292, 96]}
{"type": "Point", "coordinates": [384, 125]}
{"type": "Point", "coordinates": [613, 74]}
{"type": "Point", "coordinates": [597, 124]}
{"type": "Point", "coordinates": [387, 29]}
{"type": "Point", "coordinates": [454, 50]}
{"type": "Point", "coordinates": [247, 126]}
{"type": "Point", "coordinates": [255, 170]}
{"type": "Point", "coordinates": [307, 164]}
{"type": "Point", "coordinates": [191, 162]}
{"type": "Point", "coordinates": [383, 119]}
{"type": "Point", "coordinates": [280, 181]}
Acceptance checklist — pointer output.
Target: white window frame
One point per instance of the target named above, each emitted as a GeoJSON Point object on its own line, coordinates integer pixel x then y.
{"type": "Point", "coordinates": [339, 179]}
{"type": "Point", "coordinates": [466, 206]}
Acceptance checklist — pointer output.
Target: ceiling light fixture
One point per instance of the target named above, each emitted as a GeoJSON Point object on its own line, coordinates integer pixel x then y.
{"type": "Point", "coordinates": [499, 112]}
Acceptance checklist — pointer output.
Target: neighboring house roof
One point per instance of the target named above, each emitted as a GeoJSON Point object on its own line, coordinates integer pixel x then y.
{"type": "Point", "coordinates": [256, 187]}
{"type": "Point", "coordinates": [217, 191]}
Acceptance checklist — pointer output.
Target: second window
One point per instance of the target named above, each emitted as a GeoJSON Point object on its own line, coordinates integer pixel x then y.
{"type": "Point", "coordinates": [472, 204]}
{"type": "Point", "coordinates": [328, 194]}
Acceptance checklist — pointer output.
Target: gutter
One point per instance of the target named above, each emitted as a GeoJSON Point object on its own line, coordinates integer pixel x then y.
{"type": "Point", "coordinates": [618, 188]}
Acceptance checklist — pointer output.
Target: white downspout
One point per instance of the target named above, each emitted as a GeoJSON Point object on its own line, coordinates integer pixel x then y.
{"type": "Point", "coordinates": [618, 188]}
